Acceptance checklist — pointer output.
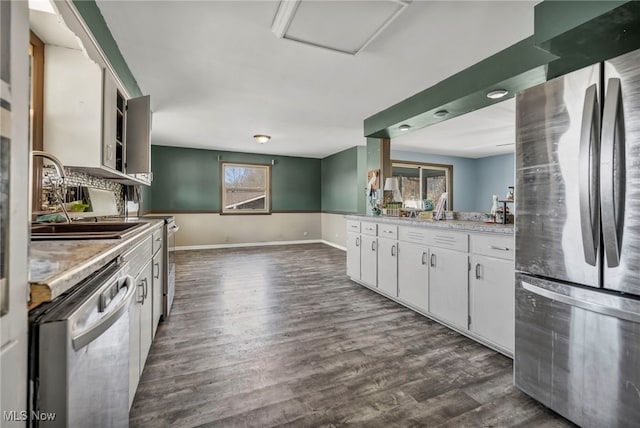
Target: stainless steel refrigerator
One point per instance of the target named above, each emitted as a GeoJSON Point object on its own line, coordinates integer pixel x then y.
{"type": "Point", "coordinates": [577, 345]}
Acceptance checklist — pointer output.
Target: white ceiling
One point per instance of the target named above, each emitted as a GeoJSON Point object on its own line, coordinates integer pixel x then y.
{"type": "Point", "coordinates": [217, 74]}
{"type": "Point", "coordinates": [485, 132]}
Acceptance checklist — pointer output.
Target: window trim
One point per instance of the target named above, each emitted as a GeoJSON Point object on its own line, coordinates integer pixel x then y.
{"type": "Point", "coordinates": [36, 119]}
{"type": "Point", "coordinates": [448, 169]}
{"type": "Point", "coordinates": [223, 210]}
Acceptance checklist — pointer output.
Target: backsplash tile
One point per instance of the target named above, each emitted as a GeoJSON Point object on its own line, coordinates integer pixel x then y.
{"type": "Point", "coordinates": [77, 179]}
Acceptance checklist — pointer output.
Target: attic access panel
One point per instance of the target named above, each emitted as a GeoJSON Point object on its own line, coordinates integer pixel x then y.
{"type": "Point", "coordinates": [342, 26]}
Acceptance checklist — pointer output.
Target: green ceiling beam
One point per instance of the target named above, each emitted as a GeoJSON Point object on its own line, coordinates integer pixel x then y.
{"type": "Point", "coordinates": [568, 35]}
{"type": "Point", "coordinates": [514, 68]}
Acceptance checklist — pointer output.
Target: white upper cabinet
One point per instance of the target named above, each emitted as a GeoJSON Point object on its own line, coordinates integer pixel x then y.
{"type": "Point", "coordinates": [72, 107]}
{"type": "Point", "coordinates": [89, 123]}
{"type": "Point", "coordinates": [138, 143]}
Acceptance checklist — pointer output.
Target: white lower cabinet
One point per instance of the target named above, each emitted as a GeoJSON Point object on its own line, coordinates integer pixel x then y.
{"type": "Point", "coordinates": [465, 280]}
{"type": "Point", "coordinates": [492, 306]}
{"type": "Point", "coordinates": [388, 266]}
{"type": "Point", "coordinates": [448, 286]}
{"type": "Point", "coordinates": [353, 255]}
{"type": "Point", "coordinates": [413, 274]}
{"type": "Point", "coordinates": [369, 260]}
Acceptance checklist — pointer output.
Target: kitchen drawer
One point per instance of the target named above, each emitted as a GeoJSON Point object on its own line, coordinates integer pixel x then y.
{"type": "Point", "coordinates": [157, 240]}
{"type": "Point", "coordinates": [435, 238]}
{"type": "Point", "coordinates": [138, 256]}
{"type": "Point", "coordinates": [444, 239]}
{"type": "Point", "coordinates": [353, 226]}
{"type": "Point", "coordinates": [501, 247]}
{"type": "Point", "coordinates": [388, 231]}
{"type": "Point", "coordinates": [368, 228]}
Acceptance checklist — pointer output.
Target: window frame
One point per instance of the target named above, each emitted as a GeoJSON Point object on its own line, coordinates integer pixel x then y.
{"type": "Point", "coordinates": [448, 172]}
{"type": "Point", "coordinates": [228, 211]}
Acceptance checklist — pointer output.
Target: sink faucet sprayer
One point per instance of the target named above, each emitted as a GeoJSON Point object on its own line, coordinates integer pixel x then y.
{"type": "Point", "coordinates": [59, 189]}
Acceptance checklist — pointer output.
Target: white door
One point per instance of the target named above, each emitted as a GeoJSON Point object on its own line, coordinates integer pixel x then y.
{"type": "Point", "coordinates": [369, 260]}
{"type": "Point", "coordinates": [413, 274]}
{"type": "Point", "coordinates": [146, 314]}
{"type": "Point", "coordinates": [353, 255]}
{"type": "Point", "coordinates": [14, 188]}
{"type": "Point", "coordinates": [388, 266]}
{"type": "Point", "coordinates": [134, 344]}
{"type": "Point", "coordinates": [448, 286]}
{"type": "Point", "coordinates": [491, 294]}
{"type": "Point", "coordinates": [158, 270]}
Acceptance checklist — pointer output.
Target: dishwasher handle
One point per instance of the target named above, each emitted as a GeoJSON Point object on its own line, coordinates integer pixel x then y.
{"type": "Point", "coordinates": [90, 334]}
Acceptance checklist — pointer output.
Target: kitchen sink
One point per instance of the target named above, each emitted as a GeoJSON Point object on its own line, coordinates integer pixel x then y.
{"type": "Point", "coordinates": [106, 230]}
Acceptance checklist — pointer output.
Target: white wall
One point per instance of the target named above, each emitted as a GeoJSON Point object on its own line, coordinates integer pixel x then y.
{"type": "Point", "coordinates": [215, 230]}
{"type": "Point", "coordinates": [334, 229]}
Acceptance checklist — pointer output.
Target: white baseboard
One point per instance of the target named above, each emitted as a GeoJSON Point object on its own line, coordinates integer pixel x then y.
{"type": "Point", "coordinates": [331, 244]}
{"type": "Point", "coordinates": [259, 244]}
{"type": "Point", "coordinates": [247, 244]}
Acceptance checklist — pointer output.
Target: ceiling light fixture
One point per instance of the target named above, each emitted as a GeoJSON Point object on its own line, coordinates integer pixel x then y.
{"type": "Point", "coordinates": [404, 128]}
{"type": "Point", "coordinates": [440, 114]}
{"type": "Point", "coordinates": [498, 93]}
{"type": "Point", "coordinates": [261, 138]}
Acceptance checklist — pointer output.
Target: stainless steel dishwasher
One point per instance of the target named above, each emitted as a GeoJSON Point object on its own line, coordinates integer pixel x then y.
{"type": "Point", "coordinates": [79, 354]}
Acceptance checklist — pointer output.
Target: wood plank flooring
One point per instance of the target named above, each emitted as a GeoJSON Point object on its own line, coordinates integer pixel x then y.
{"type": "Point", "coordinates": [279, 336]}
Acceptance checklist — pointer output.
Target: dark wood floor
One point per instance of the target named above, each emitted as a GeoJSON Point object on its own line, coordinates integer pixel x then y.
{"type": "Point", "coordinates": [280, 336]}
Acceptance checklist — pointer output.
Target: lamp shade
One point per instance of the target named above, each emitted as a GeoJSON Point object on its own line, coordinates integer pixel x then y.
{"type": "Point", "coordinates": [391, 183]}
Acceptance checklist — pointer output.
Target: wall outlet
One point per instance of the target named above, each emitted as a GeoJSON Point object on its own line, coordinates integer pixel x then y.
{"type": "Point", "coordinates": [305, 233]}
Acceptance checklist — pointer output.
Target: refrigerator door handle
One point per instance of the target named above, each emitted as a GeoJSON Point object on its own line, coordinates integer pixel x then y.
{"type": "Point", "coordinates": [582, 303]}
{"type": "Point", "coordinates": [613, 172]}
{"type": "Point", "coordinates": [589, 156]}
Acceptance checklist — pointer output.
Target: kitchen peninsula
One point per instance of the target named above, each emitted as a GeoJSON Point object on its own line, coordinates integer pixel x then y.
{"type": "Point", "coordinates": [459, 273]}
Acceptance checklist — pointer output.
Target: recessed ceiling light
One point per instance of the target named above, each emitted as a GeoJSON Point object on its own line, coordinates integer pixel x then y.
{"type": "Point", "coordinates": [404, 127]}
{"type": "Point", "coordinates": [261, 138]}
{"type": "Point", "coordinates": [498, 93]}
{"type": "Point", "coordinates": [440, 114]}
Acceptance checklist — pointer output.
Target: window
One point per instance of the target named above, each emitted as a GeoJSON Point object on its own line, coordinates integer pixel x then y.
{"type": "Point", "coordinates": [421, 181]}
{"type": "Point", "coordinates": [246, 188]}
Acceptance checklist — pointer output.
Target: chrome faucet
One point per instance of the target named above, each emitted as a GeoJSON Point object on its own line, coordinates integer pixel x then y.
{"type": "Point", "coordinates": [59, 190]}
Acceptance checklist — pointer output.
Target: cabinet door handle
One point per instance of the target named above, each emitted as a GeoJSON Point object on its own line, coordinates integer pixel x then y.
{"type": "Point", "coordinates": [393, 250]}
{"type": "Point", "coordinates": [139, 298]}
{"type": "Point", "coordinates": [156, 265]}
{"type": "Point", "coordinates": [477, 270]}
{"type": "Point", "coordinates": [373, 245]}
{"type": "Point", "coordinates": [146, 289]}
{"type": "Point", "coordinates": [387, 231]}
{"type": "Point", "coordinates": [433, 260]}
{"type": "Point", "coordinates": [424, 258]}
{"type": "Point", "coordinates": [358, 241]}
{"type": "Point", "coordinates": [493, 247]}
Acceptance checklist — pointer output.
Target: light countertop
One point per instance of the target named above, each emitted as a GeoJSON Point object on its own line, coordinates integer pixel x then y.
{"type": "Point", "coordinates": [462, 225]}
{"type": "Point", "coordinates": [57, 265]}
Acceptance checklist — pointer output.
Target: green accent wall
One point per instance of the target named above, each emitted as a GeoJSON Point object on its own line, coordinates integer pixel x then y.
{"type": "Point", "coordinates": [343, 176]}
{"type": "Point", "coordinates": [95, 21]}
{"type": "Point", "coordinates": [189, 180]}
